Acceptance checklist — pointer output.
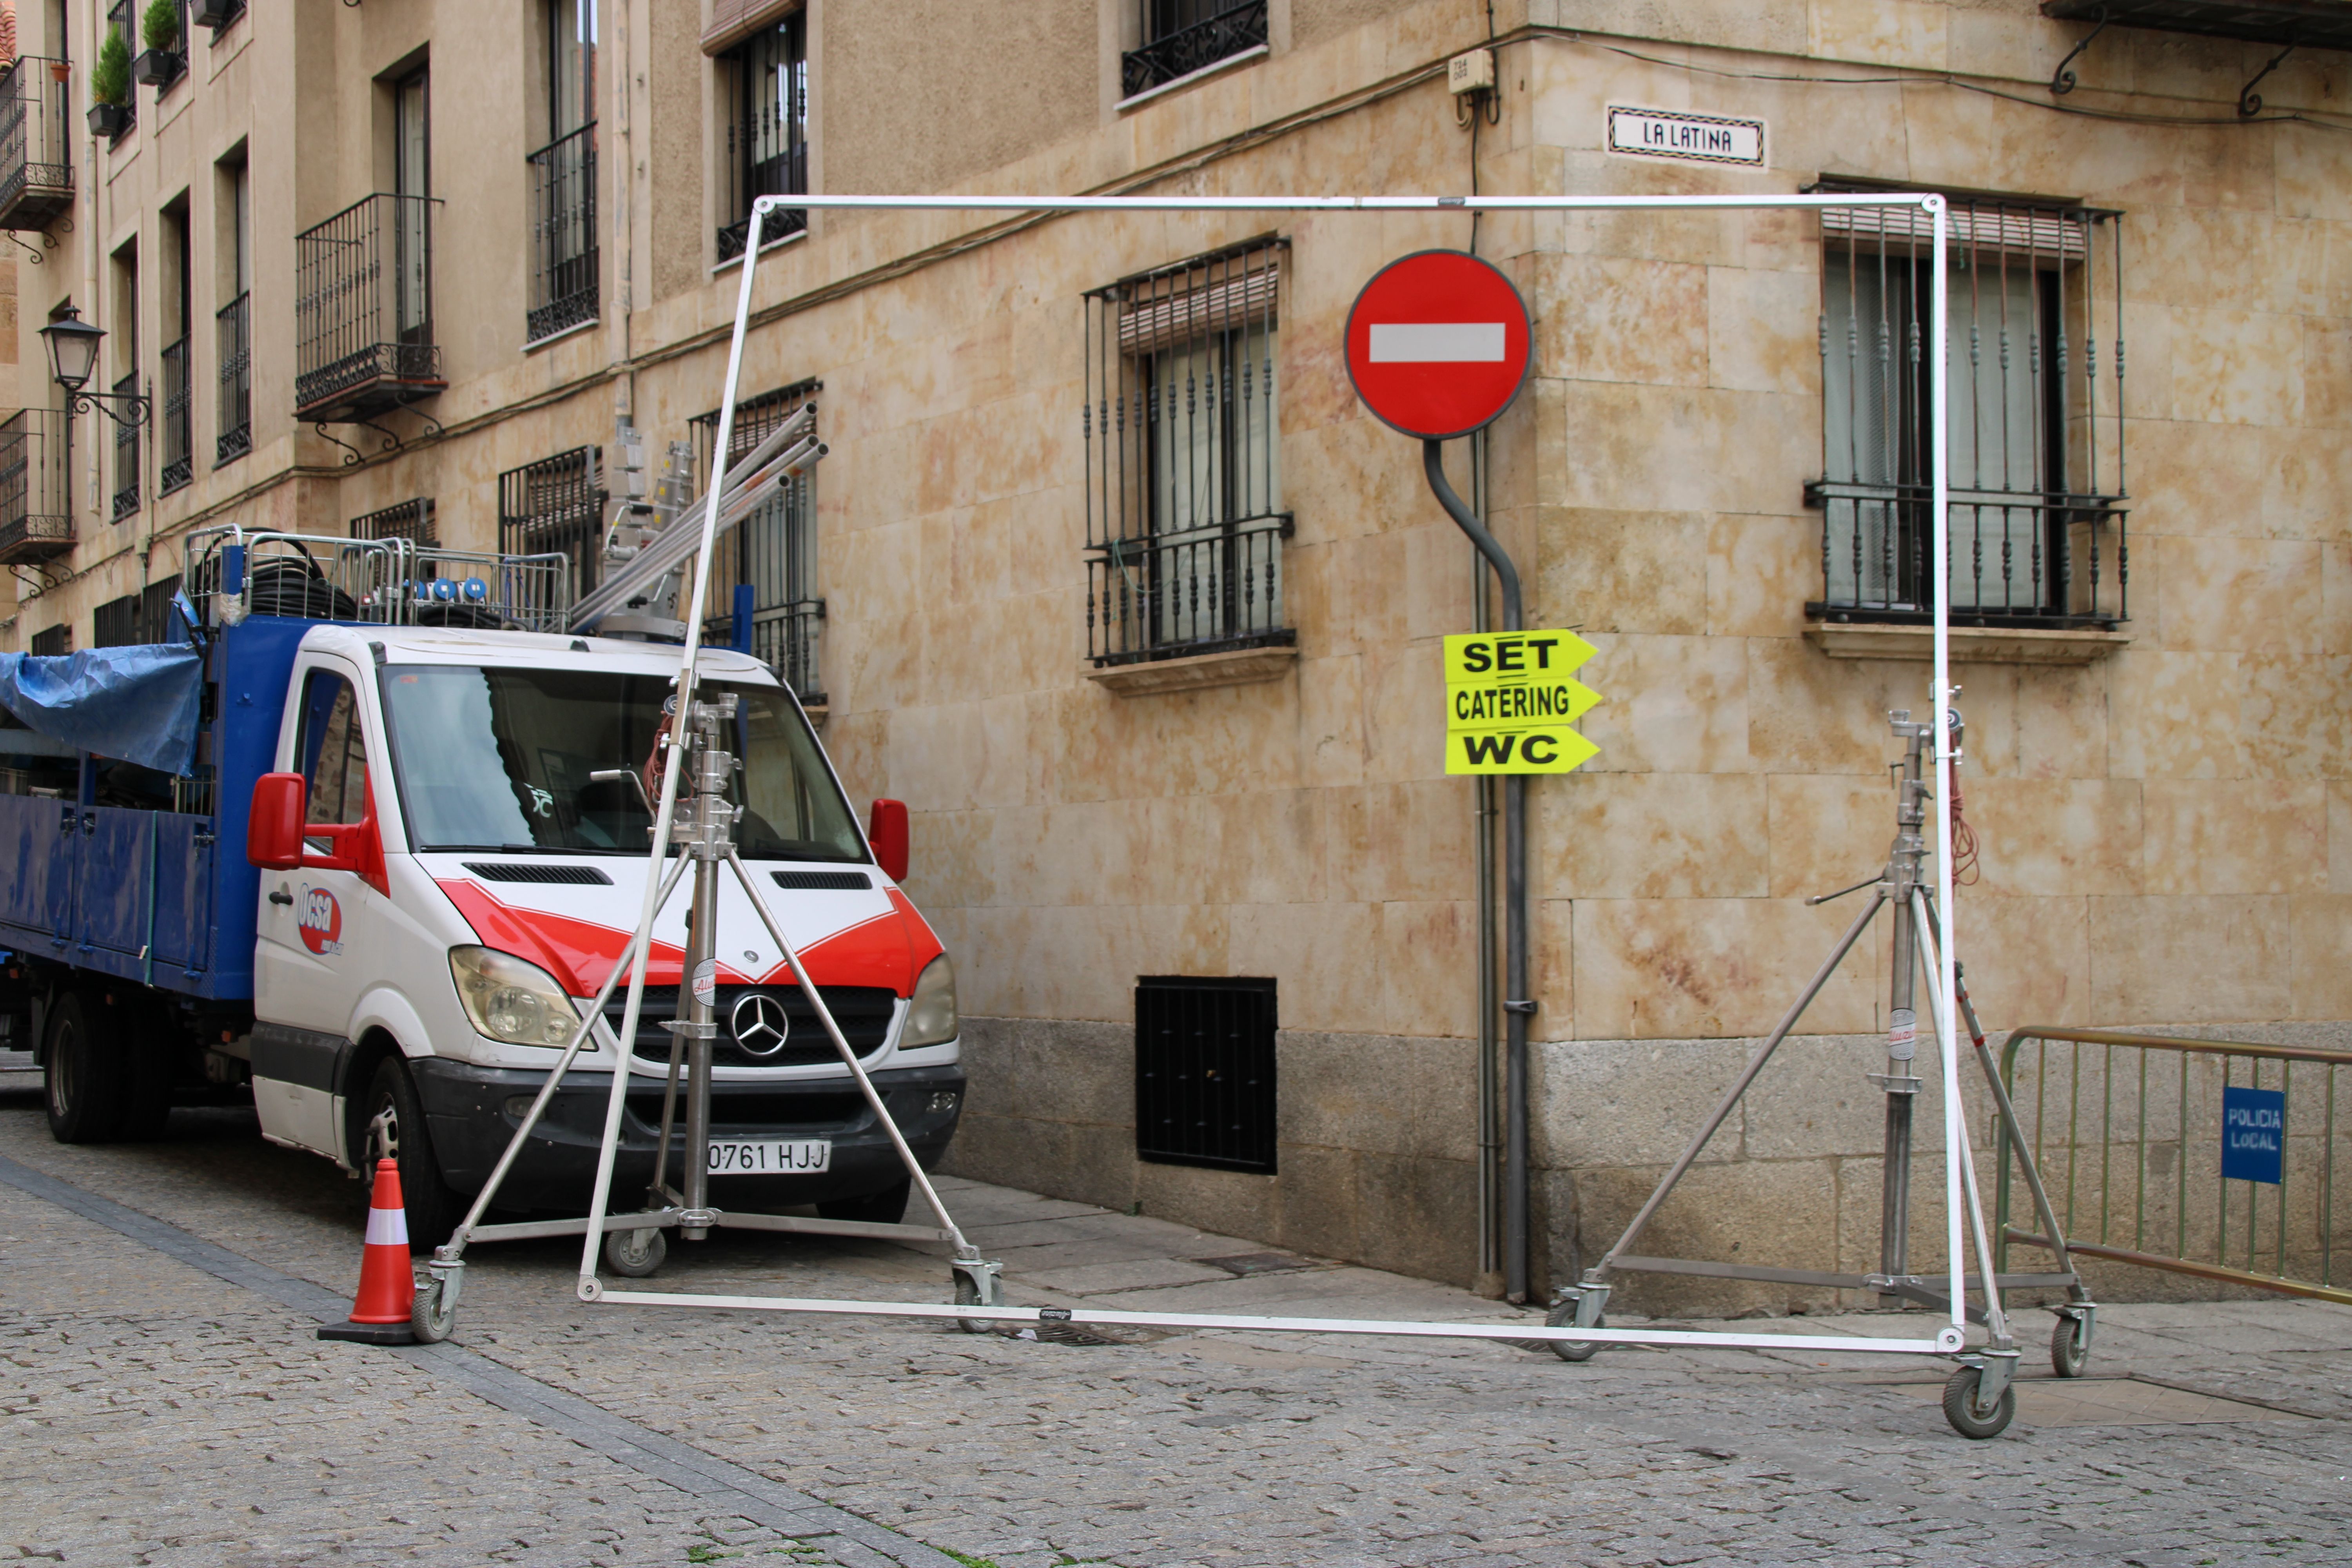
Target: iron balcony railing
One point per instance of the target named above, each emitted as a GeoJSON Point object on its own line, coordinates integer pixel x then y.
{"type": "Point", "coordinates": [2034, 438]}
{"type": "Point", "coordinates": [178, 460]}
{"type": "Point", "coordinates": [234, 327]}
{"type": "Point", "coordinates": [1186, 35]}
{"type": "Point", "coordinates": [35, 145]}
{"type": "Point", "coordinates": [2035, 561]}
{"type": "Point", "coordinates": [36, 513]}
{"type": "Point", "coordinates": [126, 451]}
{"type": "Point", "coordinates": [564, 250]}
{"type": "Point", "coordinates": [785, 174]}
{"type": "Point", "coordinates": [1180, 434]}
{"type": "Point", "coordinates": [363, 309]}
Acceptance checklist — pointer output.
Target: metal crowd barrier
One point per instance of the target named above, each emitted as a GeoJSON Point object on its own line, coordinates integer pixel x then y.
{"type": "Point", "coordinates": [2170, 1143]}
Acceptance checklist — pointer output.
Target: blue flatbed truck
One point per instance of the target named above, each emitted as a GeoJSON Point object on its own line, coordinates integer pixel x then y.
{"type": "Point", "coordinates": [459, 873]}
{"type": "Point", "coordinates": [127, 905]}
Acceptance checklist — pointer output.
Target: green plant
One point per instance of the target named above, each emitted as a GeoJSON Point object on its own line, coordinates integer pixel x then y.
{"type": "Point", "coordinates": [161, 25]}
{"type": "Point", "coordinates": [110, 78]}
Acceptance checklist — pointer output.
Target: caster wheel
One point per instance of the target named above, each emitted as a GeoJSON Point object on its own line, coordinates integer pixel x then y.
{"type": "Point", "coordinates": [1960, 1406]}
{"type": "Point", "coordinates": [967, 1294]}
{"type": "Point", "coordinates": [1561, 1316]}
{"type": "Point", "coordinates": [2068, 1352]}
{"type": "Point", "coordinates": [634, 1254]}
{"type": "Point", "coordinates": [428, 1315]}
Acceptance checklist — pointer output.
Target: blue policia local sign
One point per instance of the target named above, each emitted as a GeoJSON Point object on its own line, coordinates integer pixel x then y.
{"type": "Point", "coordinates": [2254, 1135]}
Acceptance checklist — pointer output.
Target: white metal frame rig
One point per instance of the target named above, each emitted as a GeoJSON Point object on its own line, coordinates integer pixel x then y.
{"type": "Point", "coordinates": [1980, 1396]}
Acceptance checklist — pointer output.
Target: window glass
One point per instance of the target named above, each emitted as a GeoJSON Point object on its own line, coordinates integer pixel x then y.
{"type": "Point", "coordinates": [503, 759]}
{"type": "Point", "coordinates": [332, 751]}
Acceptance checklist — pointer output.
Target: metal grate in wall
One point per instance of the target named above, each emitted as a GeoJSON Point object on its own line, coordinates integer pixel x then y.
{"type": "Point", "coordinates": [1204, 1078]}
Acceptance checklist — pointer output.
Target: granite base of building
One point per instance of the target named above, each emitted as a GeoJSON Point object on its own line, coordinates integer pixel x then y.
{"type": "Point", "coordinates": [1376, 1160]}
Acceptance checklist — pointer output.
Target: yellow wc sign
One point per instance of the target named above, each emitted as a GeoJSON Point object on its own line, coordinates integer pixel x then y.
{"type": "Point", "coordinates": [1509, 702]}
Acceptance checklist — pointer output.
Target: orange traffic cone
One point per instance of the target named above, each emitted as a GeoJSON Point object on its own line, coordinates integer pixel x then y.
{"type": "Point", "coordinates": [387, 1286]}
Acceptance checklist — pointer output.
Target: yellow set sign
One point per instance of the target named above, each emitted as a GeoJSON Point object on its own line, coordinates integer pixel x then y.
{"type": "Point", "coordinates": [1509, 702]}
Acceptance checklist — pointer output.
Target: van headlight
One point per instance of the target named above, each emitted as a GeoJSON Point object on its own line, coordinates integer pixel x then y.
{"type": "Point", "coordinates": [931, 1016]}
{"type": "Point", "coordinates": [514, 1002]}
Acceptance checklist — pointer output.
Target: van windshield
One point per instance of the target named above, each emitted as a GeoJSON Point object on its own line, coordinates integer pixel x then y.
{"type": "Point", "coordinates": [502, 758]}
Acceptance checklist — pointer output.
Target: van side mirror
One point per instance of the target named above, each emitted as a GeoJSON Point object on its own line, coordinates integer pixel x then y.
{"type": "Point", "coordinates": [273, 832]}
{"type": "Point", "coordinates": [887, 831]}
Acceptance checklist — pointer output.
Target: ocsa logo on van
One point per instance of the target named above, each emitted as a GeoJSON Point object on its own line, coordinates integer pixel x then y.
{"type": "Point", "coordinates": [321, 921]}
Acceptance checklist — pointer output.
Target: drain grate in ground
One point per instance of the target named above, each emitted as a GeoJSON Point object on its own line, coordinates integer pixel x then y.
{"type": "Point", "coordinates": [1242, 1265]}
{"type": "Point", "coordinates": [2117, 1402]}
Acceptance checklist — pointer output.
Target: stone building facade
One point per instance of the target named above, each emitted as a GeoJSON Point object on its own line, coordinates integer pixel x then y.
{"type": "Point", "coordinates": [1695, 476]}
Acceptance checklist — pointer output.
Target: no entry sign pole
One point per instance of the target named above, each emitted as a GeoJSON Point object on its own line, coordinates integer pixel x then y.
{"type": "Point", "coordinates": [1438, 346]}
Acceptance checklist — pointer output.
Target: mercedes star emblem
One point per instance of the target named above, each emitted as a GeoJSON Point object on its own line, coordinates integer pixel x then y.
{"type": "Point", "coordinates": [760, 1024]}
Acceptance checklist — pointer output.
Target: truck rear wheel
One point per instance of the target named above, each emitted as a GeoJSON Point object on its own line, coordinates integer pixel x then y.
{"type": "Point", "coordinates": [391, 1126]}
{"type": "Point", "coordinates": [83, 1074]}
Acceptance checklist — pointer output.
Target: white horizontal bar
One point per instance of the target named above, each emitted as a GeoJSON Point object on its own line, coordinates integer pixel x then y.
{"type": "Point", "coordinates": [946, 202]}
{"type": "Point", "coordinates": [1437, 343]}
{"type": "Point", "coordinates": [1082, 1317]}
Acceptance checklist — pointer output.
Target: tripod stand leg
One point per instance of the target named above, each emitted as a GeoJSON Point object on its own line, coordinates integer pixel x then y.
{"type": "Point", "coordinates": [2041, 1204]}
{"type": "Point", "coordinates": [1598, 1274]}
{"type": "Point", "coordinates": [965, 1250]}
{"type": "Point", "coordinates": [1996, 1322]}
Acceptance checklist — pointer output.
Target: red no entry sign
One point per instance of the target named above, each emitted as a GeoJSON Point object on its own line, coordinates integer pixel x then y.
{"type": "Point", "coordinates": [1437, 343]}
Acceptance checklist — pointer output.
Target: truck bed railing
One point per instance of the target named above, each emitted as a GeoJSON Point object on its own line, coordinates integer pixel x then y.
{"type": "Point", "coordinates": [229, 573]}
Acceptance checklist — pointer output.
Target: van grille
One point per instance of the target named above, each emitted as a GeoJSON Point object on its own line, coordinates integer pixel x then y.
{"type": "Point", "coordinates": [864, 1013]}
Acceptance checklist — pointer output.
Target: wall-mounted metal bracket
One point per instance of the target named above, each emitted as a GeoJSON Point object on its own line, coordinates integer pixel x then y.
{"type": "Point", "coordinates": [354, 453]}
{"type": "Point", "coordinates": [2062, 80]}
{"type": "Point", "coordinates": [2249, 102]}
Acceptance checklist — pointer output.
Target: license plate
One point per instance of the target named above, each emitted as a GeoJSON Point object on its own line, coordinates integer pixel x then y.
{"type": "Point", "coordinates": [762, 1159]}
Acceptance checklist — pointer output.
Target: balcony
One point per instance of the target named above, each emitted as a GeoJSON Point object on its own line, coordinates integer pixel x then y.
{"type": "Point", "coordinates": [35, 519]}
{"type": "Point", "coordinates": [235, 329]}
{"type": "Point", "coordinates": [363, 311]}
{"type": "Point", "coordinates": [179, 462]}
{"type": "Point", "coordinates": [35, 145]}
{"type": "Point", "coordinates": [563, 249]}
{"type": "Point", "coordinates": [1183, 40]}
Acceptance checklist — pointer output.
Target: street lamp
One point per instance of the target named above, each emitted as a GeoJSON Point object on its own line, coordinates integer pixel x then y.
{"type": "Point", "coordinates": [73, 352]}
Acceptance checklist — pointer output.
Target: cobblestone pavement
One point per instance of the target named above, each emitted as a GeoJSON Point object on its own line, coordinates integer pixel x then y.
{"type": "Point", "coordinates": [158, 1413]}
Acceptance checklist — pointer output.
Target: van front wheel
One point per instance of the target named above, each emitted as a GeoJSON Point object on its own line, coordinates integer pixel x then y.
{"type": "Point", "coordinates": [392, 1128]}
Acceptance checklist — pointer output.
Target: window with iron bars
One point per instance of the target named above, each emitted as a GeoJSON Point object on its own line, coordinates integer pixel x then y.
{"type": "Point", "coordinates": [565, 254]}
{"type": "Point", "coordinates": [412, 520]}
{"type": "Point", "coordinates": [1182, 434]}
{"type": "Point", "coordinates": [773, 553]}
{"type": "Point", "coordinates": [2033, 442]}
{"type": "Point", "coordinates": [764, 82]}
{"type": "Point", "coordinates": [126, 451]}
{"type": "Point", "coordinates": [1180, 36]}
{"type": "Point", "coordinates": [137, 618]}
{"type": "Point", "coordinates": [556, 504]}
{"type": "Point", "coordinates": [52, 642]}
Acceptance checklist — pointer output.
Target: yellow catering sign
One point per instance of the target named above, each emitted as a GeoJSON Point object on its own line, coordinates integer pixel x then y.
{"type": "Point", "coordinates": [1509, 702]}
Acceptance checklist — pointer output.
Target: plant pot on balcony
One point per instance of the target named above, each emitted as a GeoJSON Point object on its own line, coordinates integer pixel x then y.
{"type": "Point", "coordinates": [108, 119]}
{"type": "Point", "coordinates": [156, 68]}
{"type": "Point", "coordinates": [214, 14]}
{"type": "Point", "coordinates": [62, 70]}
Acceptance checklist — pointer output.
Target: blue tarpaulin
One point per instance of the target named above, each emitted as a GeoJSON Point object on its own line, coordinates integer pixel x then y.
{"type": "Point", "coordinates": [139, 704]}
